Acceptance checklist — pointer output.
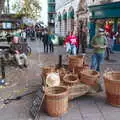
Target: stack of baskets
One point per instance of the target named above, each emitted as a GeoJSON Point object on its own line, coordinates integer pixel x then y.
{"type": "Point", "coordinates": [75, 62]}
{"type": "Point", "coordinates": [112, 87]}
{"type": "Point", "coordinates": [75, 88]}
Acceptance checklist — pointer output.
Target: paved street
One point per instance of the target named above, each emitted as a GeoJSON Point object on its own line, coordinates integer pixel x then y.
{"type": "Point", "coordinates": [19, 81]}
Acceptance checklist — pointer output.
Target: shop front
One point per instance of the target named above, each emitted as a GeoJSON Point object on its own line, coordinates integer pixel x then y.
{"type": "Point", "coordinates": [106, 15]}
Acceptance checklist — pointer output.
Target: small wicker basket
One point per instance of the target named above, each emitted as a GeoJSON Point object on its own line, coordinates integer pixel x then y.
{"type": "Point", "coordinates": [48, 69]}
{"type": "Point", "coordinates": [112, 87]}
{"type": "Point", "coordinates": [71, 79]}
{"type": "Point", "coordinates": [56, 100]}
{"type": "Point", "coordinates": [89, 77]}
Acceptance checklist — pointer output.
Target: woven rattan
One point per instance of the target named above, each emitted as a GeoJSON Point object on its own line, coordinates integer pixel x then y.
{"type": "Point", "coordinates": [89, 77]}
{"type": "Point", "coordinates": [56, 100]}
{"type": "Point", "coordinates": [112, 87]}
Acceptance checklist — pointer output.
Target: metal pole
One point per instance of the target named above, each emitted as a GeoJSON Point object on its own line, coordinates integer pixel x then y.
{"type": "Point", "coordinates": [8, 7]}
{"type": "Point", "coordinates": [2, 68]}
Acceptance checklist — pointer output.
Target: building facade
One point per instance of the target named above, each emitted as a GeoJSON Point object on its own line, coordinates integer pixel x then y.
{"type": "Point", "coordinates": [66, 16]}
{"type": "Point", "coordinates": [105, 14]}
{"type": "Point", "coordinates": [51, 15]}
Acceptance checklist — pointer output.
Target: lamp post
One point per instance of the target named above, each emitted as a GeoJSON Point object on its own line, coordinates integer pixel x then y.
{"type": "Point", "coordinates": [8, 7]}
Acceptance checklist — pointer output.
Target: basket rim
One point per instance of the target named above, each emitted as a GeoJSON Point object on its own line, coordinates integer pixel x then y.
{"type": "Point", "coordinates": [83, 72]}
{"type": "Point", "coordinates": [60, 94]}
{"type": "Point", "coordinates": [110, 72]}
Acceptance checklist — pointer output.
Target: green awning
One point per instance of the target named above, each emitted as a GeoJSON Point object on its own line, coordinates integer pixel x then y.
{"type": "Point", "coordinates": [65, 16]}
{"type": "Point", "coordinates": [71, 14]}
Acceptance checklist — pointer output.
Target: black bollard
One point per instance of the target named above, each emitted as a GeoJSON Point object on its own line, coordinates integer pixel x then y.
{"type": "Point", "coordinates": [60, 61]}
{"type": "Point", "coordinates": [2, 68]}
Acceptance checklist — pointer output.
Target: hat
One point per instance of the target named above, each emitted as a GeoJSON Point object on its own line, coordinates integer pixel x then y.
{"type": "Point", "coordinates": [53, 79]}
{"type": "Point", "coordinates": [101, 30]}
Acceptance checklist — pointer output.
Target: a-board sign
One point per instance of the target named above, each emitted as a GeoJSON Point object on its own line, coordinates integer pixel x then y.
{"type": "Point", "coordinates": [37, 102]}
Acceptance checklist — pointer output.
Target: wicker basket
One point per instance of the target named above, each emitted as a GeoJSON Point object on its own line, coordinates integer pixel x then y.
{"type": "Point", "coordinates": [89, 77]}
{"type": "Point", "coordinates": [112, 86]}
{"type": "Point", "coordinates": [46, 70]}
{"type": "Point", "coordinates": [77, 90]}
{"type": "Point", "coordinates": [56, 100]}
{"type": "Point", "coordinates": [75, 61]}
{"type": "Point", "coordinates": [71, 79]}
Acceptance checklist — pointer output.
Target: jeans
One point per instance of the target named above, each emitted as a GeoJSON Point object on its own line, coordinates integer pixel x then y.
{"type": "Point", "coordinates": [73, 49]}
{"type": "Point", "coordinates": [68, 48]}
{"type": "Point", "coordinates": [97, 60]}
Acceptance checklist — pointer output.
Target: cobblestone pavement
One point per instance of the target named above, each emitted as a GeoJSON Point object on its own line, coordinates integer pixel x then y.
{"type": "Point", "coordinates": [19, 81]}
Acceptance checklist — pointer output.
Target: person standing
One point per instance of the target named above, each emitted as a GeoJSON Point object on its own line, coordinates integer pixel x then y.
{"type": "Point", "coordinates": [67, 44]}
{"type": "Point", "coordinates": [99, 44]}
{"type": "Point", "coordinates": [45, 40]}
{"type": "Point", "coordinates": [73, 40]}
{"type": "Point", "coordinates": [83, 40]}
{"type": "Point", "coordinates": [51, 46]}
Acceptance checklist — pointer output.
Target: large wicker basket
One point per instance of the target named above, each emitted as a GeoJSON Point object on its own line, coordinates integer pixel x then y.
{"type": "Point", "coordinates": [89, 77]}
{"type": "Point", "coordinates": [112, 86]}
{"type": "Point", "coordinates": [75, 61]}
{"type": "Point", "coordinates": [56, 100]}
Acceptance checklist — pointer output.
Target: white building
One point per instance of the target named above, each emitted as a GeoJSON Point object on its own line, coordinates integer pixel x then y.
{"type": "Point", "coordinates": [65, 16]}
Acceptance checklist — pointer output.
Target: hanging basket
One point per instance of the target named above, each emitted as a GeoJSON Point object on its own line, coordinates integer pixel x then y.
{"type": "Point", "coordinates": [56, 100]}
{"type": "Point", "coordinates": [75, 61]}
{"type": "Point", "coordinates": [89, 77]}
{"type": "Point", "coordinates": [112, 87]}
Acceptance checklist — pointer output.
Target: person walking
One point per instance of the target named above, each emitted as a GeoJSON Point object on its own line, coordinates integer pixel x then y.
{"type": "Point", "coordinates": [99, 44]}
{"type": "Point", "coordinates": [51, 46]}
{"type": "Point", "coordinates": [45, 40]}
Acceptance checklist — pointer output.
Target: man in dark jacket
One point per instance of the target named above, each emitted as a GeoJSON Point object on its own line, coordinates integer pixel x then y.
{"type": "Point", "coordinates": [83, 40]}
{"type": "Point", "coordinates": [45, 40]}
{"type": "Point", "coordinates": [17, 49]}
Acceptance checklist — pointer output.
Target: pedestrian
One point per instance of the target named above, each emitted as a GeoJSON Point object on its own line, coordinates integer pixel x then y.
{"type": "Point", "coordinates": [73, 40]}
{"type": "Point", "coordinates": [108, 46]}
{"type": "Point", "coordinates": [50, 38]}
{"type": "Point", "coordinates": [84, 40]}
{"type": "Point", "coordinates": [45, 40]}
{"type": "Point", "coordinates": [99, 44]}
{"type": "Point", "coordinates": [67, 44]}
{"type": "Point", "coordinates": [17, 50]}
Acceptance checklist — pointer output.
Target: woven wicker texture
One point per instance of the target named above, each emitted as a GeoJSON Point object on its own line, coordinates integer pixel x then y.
{"type": "Point", "coordinates": [77, 90]}
{"type": "Point", "coordinates": [89, 77]}
{"type": "Point", "coordinates": [48, 69]}
{"type": "Point", "coordinates": [56, 100]}
{"type": "Point", "coordinates": [112, 86]}
{"type": "Point", "coordinates": [75, 61]}
{"type": "Point", "coordinates": [71, 79]}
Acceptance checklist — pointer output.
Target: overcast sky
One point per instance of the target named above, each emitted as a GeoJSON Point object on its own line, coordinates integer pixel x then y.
{"type": "Point", "coordinates": [44, 11]}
